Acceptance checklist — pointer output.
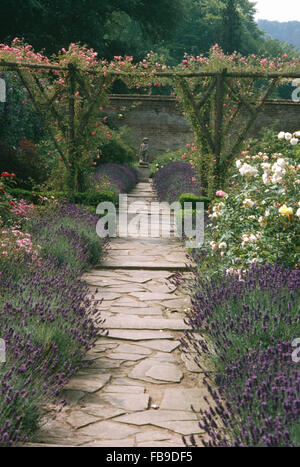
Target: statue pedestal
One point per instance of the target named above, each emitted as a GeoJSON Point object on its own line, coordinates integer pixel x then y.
{"type": "Point", "coordinates": [143, 172]}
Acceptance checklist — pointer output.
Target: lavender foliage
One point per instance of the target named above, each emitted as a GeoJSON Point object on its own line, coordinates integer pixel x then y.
{"type": "Point", "coordinates": [174, 179]}
{"type": "Point", "coordinates": [69, 235]}
{"type": "Point", "coordinates": [246, 324]}
{"type": "Point", "coordinates": [47, 320]}
{"type": "Point", "coordinates": [122, 178]}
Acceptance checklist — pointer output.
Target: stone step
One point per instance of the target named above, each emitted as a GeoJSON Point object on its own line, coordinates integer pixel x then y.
{"type": "Point", "coordinates": [145, 323]}
{"type": "Point", "coordinates": [108, 264]}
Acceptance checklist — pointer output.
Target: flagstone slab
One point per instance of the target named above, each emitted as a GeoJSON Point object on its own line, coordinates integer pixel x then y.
{"type": "Point", "coordinates": [153, 417]}
{"type": "Point", "coordinates": [152, 435]}
{"type": "Point", "coordinates": [108, 430]}
{"type": "Point", "coordinates": [144, 323]}
{"type": "Point", "coordinates": [115, 388]}
{"type": "Point", "coordinates": [61, 437]}
{"type": "Point", "coordinates": [105, 296]}
{"type": "Point", "coordinates": [100, 282]}
{"type": "Point", "coordinates": [137, 335]}
{"type": "Point", "coordinates": [184, 398]}
{"type": "Point", "coordinates": [104, 412]}
{"type": "Point", "coordinates": [88, 384]}
{"type": "Point", "coordinates": [179, 303]}
{"type": "Point", "coordinates": [141, 372]}
{"type": "Point", "coordinates": [164, 357]}
{"type": "Point", "coordinates": [78, 419]}
{"type": "Point", "coordinates": [152, 296]}
{"type": "Point", "coordinates": [45, 445]}
{"type": "Point", "coordinates": [133, 349]}
{"type": "Point", "coordinates": [158, 288]}
{"type": "Point", "coordinates": [136, 311]}
{"type": "Point", "coordinates": [127, 401]}
{"type": "Point", "coordinates": [165, 372]}
{"type": "Point", "coordinates": [128, 302]}
{"type": "Point", "coordinates": [150, 264]}
{"type": "Point", "coordinates": [181, 427]}
{"type": "Point", "coordinates": [125, 382]}
{"type": "Point", "coordinates": [120, 289]}
{"type": "Point", "coordinates": [126, 356]}
{"type": "Point", "coordinates": [134, 280]}
{"type": "Point", "coordinates": [120, 443]}
{"type": "Point", "coordinates": [161, 345]}
{"type": "Point", "coordinates": [161, 444]}
{"type": "Point", "coordinates": [101, 346]}
{"type": "Point", "coordinates": [105, 363]}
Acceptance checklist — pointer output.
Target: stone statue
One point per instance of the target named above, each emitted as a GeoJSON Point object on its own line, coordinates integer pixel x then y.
{"type": "Point", "coordinates": [143, 153]}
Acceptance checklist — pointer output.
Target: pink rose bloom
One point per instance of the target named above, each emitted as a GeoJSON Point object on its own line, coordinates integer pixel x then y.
{"type": "Point", "coordinates": [221, 193]}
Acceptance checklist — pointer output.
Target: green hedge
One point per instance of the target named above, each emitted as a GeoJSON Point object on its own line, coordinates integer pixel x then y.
{"type": "Point", "coordinates": [93, 198]}
{"type": "Point", "coordinates": [194, 199]}
{"type": "Point", "coordinates": [88, 198]}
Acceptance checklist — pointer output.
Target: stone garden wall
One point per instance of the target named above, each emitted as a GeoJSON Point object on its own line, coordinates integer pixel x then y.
{"type": "Point", "coordinates": [161, 120]}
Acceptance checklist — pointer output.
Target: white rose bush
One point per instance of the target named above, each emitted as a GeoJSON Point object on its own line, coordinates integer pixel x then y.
{"type": "Point", "coordinates": [245, 301]}
{"type": "Point", "coordinates": [259, 218]}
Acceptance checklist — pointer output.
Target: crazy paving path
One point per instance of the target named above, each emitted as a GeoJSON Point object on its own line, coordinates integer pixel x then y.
{"type": "Point", "coordinates": [138, 390]}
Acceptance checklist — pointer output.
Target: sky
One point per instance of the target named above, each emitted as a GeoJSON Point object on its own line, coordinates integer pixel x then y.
{"type": "Point", "coordinates": [278, 10]}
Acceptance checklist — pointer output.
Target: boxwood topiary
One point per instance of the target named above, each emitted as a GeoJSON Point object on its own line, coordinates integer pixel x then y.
{"type": "Point", "coordinates": [194, 199]}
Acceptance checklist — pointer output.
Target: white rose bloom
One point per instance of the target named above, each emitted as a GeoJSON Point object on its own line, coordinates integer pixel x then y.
{"type": "Point", "coordinates": [238, 164]}
{"type": "Point", "coordinates": [223, 245]}
{"type": "Point", "coordinates": [248, 203]}
{"type": "Point", "coordinates": [288, 136]}
{"type": "Point", "coordinates": [277, 178]}
{"type": "Point", "coordinates": [294, 141]}
{"type": "Point", "coordinates": [281, 135]}
{"type": "Point", "coordinates": [213, 245]}
{"type": "Point", "coordinates": [245, 238]}
{"type": "Point", "coordinates": [298, 213]}
{"type": "Point", "coordinates": [248, 171]}
{"type": "Point", "coordinates": [278, 170]}
{"type": "Point", "coordinates": [281, 162]}
{"type": "Point", "coordinates": [266, 167]}
{"type": "Point", "coordinates": [266, 179]}
{"type": "Point", "coordinates": [297, 134]}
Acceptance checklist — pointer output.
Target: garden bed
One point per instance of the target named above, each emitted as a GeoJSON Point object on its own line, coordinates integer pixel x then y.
{"type": "Point", "coordinates": [47, 318]}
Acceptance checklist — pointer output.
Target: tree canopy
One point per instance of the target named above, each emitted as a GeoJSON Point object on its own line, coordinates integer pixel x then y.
{"type": "Point", "coordinates": [134, 27]}
{"type": "Point", "coordinates": [52, 25]}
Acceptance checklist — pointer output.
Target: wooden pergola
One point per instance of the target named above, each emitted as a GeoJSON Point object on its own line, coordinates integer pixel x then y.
{"type": "Point", "coordinates": [213, 132]}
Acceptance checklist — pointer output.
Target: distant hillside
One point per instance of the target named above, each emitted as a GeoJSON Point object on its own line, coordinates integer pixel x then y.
{"type": "Point", "coordinates": [288, 31]}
